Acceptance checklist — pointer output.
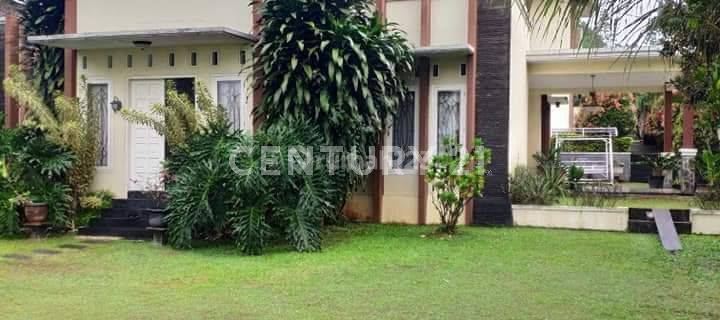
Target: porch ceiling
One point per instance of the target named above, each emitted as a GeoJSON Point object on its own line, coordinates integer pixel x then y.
{"type": "Point", "coordinates": [613, 70]}
{"type": "Point", "coordinates": [158, 37]}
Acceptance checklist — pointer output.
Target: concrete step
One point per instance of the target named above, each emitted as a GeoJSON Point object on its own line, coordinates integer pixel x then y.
{"type": "Point", "coordinates": [105, 222]}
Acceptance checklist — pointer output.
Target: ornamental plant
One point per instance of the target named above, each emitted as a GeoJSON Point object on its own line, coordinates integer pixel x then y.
{"type": "Point", "coordinates": [335, 63]}
{"type": "Point", "coordinates": [73, 126]}
{"type": "Point", "coordinates": [46, 64]}
{"type": "Point", "coordinates": [456, 178]}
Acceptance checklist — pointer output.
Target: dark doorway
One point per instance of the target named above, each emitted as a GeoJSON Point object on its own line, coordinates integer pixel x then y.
{"type": "Point", "coordinates": [184, 86]}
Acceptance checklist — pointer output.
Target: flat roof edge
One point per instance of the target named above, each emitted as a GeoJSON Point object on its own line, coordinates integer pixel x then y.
{"type": "Point", "coordinates": [46, 39]}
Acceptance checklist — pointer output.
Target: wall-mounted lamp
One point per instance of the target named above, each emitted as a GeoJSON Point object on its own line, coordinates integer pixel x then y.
{"type": "Point", "coordinates": [116, 104]}
{"type": "Point", "coordinates": [557, 104]}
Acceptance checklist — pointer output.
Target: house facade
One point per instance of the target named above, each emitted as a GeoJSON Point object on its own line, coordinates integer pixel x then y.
{"type": "Point", "coordinates": [481, 71]}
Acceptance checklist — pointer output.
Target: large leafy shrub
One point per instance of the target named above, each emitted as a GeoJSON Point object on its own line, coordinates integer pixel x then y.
{"type": "Point", "coordinates": [334, 63]}
{"type": "Point", "coordinates": [32, 169]}
{"type": "Point", "coordinates": [616, 112]}
{"type": "Point", "coordinates": [209, 198]}
{"type": "Point", "coordinates": [456, 179]}
{"type": "Point", "coordinates": [709, 168]}
{"type": "Point", "coordinates": [38, 169]}
{"type": "Point", "coordinates": [73, 126]}
{"type": "Point", "coordinates": [529, 187]}
{"type": "Point", "coordinates": [544, 185]}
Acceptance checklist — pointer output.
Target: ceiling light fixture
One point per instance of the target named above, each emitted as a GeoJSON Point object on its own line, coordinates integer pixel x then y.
{"type": "Point", "coordinates": [142, 44]}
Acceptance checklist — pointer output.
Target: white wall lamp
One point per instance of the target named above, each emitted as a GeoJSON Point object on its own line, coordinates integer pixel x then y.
{"type": "Point", "coordinates": [116, 104]}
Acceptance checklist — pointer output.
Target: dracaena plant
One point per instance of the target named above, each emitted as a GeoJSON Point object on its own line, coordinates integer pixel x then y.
{"type": "Point", "coordinates": [456, 178]}
{"type": "Point", "coordinates": [332, 62]}
{"type": "Point", "coordinates": [46, 64]}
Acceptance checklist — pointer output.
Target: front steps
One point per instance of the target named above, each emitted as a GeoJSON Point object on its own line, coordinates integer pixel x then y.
{"type": "Point", "coordinates": [641, 222]}
{"type": "Point", "coordinates": [127, 218]}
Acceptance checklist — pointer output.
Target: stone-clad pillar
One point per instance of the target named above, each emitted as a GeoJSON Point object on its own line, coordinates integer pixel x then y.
{"type": "Point", "coordinates": [687, 170]}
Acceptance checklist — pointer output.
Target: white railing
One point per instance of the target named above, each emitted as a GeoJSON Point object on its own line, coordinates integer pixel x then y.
{"type": "Point", "coordinates": [598, 167]}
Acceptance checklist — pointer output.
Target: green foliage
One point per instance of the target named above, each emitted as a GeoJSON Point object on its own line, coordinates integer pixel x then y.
{"type": "Point", "coordinates": [38, 169]}
{"type": "Point", "coordinates": [208, 199]}
{"type": "Point", "coordinates": [92, 205]}
{"type": "Point", "coordinates": [597, 195]}
{"type": "Point", "coordinates": [529, 187]}
{"type": "Point", "coordinates": [660, 163]}
{"type": "Point", "coordinates": [179, 118]}
{"type": "Point", "coordinates": [575, 174]}
{"type": "Point", "coordinates": [709, 167]}
{"type": "Point", "coordinates": [335, 64]}
{"type": "Point", "coordinates": [553, 171]}
{"type": "Point", "coordinates": [616, 113]}
{"type": "Point", "coordinates": [456, 179]}
{"type": "Point", "coordinates": [709, 200]}
{"type": "Point", "coordinates": [74, 126]}
{"type": "Point", "coordinates": [46, 64]}
{"type": "Point", "coordinates": [621, 144]}
{"type": "Point", "coordinates": [9, 218]}
{"type": "Point", "coordinates": [546, 184]}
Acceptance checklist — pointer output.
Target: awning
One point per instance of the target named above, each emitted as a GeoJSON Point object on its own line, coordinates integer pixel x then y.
{"type": "Point", "coordinates": [604, 69]}
{"type": "Point", "coordinates": [157, 38]}
{"type": "Point", "coordinates": [439, 51]}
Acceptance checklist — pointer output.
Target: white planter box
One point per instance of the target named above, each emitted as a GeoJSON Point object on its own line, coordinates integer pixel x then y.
{"type": "Point", "coordinates": [606, 219]}
{"type": "Point", "coordinates": [705, 221]}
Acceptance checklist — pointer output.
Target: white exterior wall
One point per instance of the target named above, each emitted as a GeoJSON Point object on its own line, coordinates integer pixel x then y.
{"type": "Point", "coordinates": [549, 33]}
{"type": "Point", "coordinates": [448, 78]}
{"type": "Point", "coordinates": [115, 176]}
{"type": "Point", "coordinates": [406, 13]}
{"type": "Point", "coordinates": [129, 15]}
{"type": "Point", "coordinates": [519, 109]}
{"type": "Point", "coordinates": [448, 23]}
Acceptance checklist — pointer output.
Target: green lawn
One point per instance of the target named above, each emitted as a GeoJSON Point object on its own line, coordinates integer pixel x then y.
{"type": "Point", "coordinates": [372, 272]}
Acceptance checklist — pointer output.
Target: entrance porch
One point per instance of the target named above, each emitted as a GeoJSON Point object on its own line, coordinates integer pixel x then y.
{"type": "Point", "coordinates": [564, 89]}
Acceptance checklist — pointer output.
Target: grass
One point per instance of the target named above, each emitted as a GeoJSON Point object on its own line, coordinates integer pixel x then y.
{"type": "Point", "coordinates": [372, 272]}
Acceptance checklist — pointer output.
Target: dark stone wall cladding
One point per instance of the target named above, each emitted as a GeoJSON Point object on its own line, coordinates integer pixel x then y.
{"type": "Point", "coordinates": [492, 109]}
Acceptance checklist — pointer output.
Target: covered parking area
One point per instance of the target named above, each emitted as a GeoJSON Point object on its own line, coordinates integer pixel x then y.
{"type": "Point", "coordinates": [557, 77]}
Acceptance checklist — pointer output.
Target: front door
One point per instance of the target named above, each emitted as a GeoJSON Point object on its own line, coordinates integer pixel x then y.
{"type": "Point", "coordinates": [147, 147]}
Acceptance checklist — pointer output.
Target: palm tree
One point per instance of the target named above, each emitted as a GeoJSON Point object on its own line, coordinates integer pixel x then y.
{"type": "Point", "coordinates": [629, 22]}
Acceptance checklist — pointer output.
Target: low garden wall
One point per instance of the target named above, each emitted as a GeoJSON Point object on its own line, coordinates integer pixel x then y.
{"type": "Point", "coordinates": [586, 218]}
{"type": "Point", "coordinates": [705, 221]}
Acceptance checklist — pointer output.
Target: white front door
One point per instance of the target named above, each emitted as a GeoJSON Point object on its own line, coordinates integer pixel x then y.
{"type": "Point", "coordinates": [147, 147]}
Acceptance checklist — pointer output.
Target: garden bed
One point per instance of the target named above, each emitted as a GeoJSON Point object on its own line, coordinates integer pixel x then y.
{"type": "Point", "coordinates": [566, 217]}
{"type": "Point", "coordinates": [705, 221]}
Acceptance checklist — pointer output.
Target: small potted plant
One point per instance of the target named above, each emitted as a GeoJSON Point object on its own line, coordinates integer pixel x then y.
{"type": "Point", "coordinates": [35, 212]}
{"type": "Point", "coordinates": [156, 217]}
{"type": "Point", "coordinates": [659, 165]}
